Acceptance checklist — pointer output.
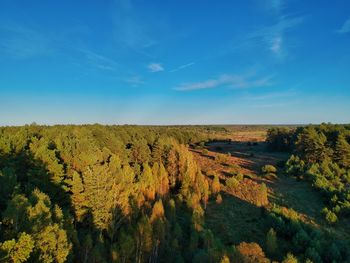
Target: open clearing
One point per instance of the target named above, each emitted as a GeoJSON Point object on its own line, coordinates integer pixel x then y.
{"type": "Point", "coordinates": [235, 213]}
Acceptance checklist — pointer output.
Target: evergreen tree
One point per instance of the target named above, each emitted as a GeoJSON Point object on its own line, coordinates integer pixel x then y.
{"type": "Point", "coordinates": [342, 152]}
{"type": "Point", "coordinates": [163, 181]}
{"type": "Point", "coordinates": [78, 197]}
{"type": "Point", "coordinates": [147, 182]}
{"type": "Point", "coordinates": [290, 258]}
{"type": "Point", "coordinates": [17, 251]}
{"type": "Point", "coordinates": [173, 167]}
{"type": "Point", "coordinates": [312, 145]}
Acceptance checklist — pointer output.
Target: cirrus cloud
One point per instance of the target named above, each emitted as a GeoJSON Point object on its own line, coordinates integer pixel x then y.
{"type": "Point", "coordinates": [155, 67]}
{"type": "Point", "coordinates": [230, 80]}
{"type": "Point", "coordinates": [345, 28]}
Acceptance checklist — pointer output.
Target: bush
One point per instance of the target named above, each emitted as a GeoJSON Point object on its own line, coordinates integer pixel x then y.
{"type": "Point", "coordinates": [331, 217]}
{"type": "Point", "coordinates": [290, 259]}
{"type": "Point", "coordinates": [295, 166]}
{"type": "Point", "coordinates": [267, 169]}
{"type": "Point", "coordinates": [232, 183]}
{"type": "Point", "coordinates": [239, 177]}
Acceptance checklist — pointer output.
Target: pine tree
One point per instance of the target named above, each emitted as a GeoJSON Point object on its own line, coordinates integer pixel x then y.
{"type": "Point", "coordinates": [17, 251]}
{"type": "Point", "coordinates": [312, 145]}
{"type": "Point", "coordinates": [53, 244]}
{"type": "Point", "coordinates": [147, 182]}
{"type": "Point", "coordinates": [144, 241]}
{"type": "Point", "coordinates": [290, 258]}
{"type": "Point", "coordinates": [342, 152]}
{"type": "Point", "coordinates": [163, 181]}
{"type": "Point", "coordinates": [15, 215]}
{"type": "Point", "coordinates": [173, 167]}
{"type": "Point", "coordinates": [78, 197]}
{"type": "Point", "coordinates": [157, 211]}
{"type": "Point", "coordinates": [98, 182]}
{"type": "Point", "coordinates": [44, 222]}
{"type": "Point", "coordinates": [157, 151]}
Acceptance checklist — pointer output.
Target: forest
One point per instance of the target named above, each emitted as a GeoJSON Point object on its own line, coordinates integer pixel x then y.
{"type": "Point", "coordinates": [108, 193]}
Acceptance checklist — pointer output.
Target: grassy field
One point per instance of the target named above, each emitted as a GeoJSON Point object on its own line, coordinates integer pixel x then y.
{"type": "Point", "coordinates": [240, 220]}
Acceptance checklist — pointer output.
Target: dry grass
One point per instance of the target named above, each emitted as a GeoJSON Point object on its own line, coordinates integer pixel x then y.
{"type": "Point", "coordinates": [237, 218]}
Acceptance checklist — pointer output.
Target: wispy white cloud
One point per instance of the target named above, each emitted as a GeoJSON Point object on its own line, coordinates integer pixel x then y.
{"type": "Point", "coordinates": [276, 45]}
{"type": "Point", "coordinates": [182, 67]}
{"type": "Point", "coordinates": [99, 61]}
{"type": "Point", "coordinates": [131, 28]}
{"type": "Point", "coordinates": [135, 81]}
{"type": "Point", "coordinates": [155, 67]}
{"type": "Point", "coordinates": [23, 42]}
{"type": "Point", "coordinates": [345, 28]}
{"type": "Point", "coordinates": [233, 81]}
{"type": "Point", "coordinates": [273, 36]}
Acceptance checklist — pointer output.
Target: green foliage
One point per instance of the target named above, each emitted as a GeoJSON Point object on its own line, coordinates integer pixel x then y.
{"type": "Point", "coordinates": [268, 168]}
{"type": "Point", "coordinates": [341, 153]}
{"type": "Point", "coordinates": [295, 166]}
{"type": "Point", "coordinates": [322, 157]}
{"type": "Point", "coordinates": [330, 216]}
{"type": "Point", "coordinates": [17, 251]}
{"type": "Point", "coordinates": [290, 258]}
{"type": "Point", "coordinates": [100, 194]}
{"type": "Point", "coordinates": [279, 139]}
{"type": "Point", "coordinates": [232, 183]}
{"type": "Point", "coordinates": [312, 145]}
{"type": "Point", "coordinates": [97, 193]}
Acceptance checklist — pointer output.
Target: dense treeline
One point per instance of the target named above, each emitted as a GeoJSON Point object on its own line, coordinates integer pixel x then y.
{"type": "Point", "coordinates": [101, 194]}
{"type": "Point", "coordinates": [135, 194]}
{"type": "Point", "coordinates": [319, 155]}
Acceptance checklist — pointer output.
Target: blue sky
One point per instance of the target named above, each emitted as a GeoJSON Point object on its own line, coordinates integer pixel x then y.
{"type": "Point", "coordinates": [174, 62]}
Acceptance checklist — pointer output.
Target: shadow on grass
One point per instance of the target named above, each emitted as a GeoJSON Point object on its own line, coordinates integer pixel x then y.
{"type": "Point", "coordinates": [235, 220]}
